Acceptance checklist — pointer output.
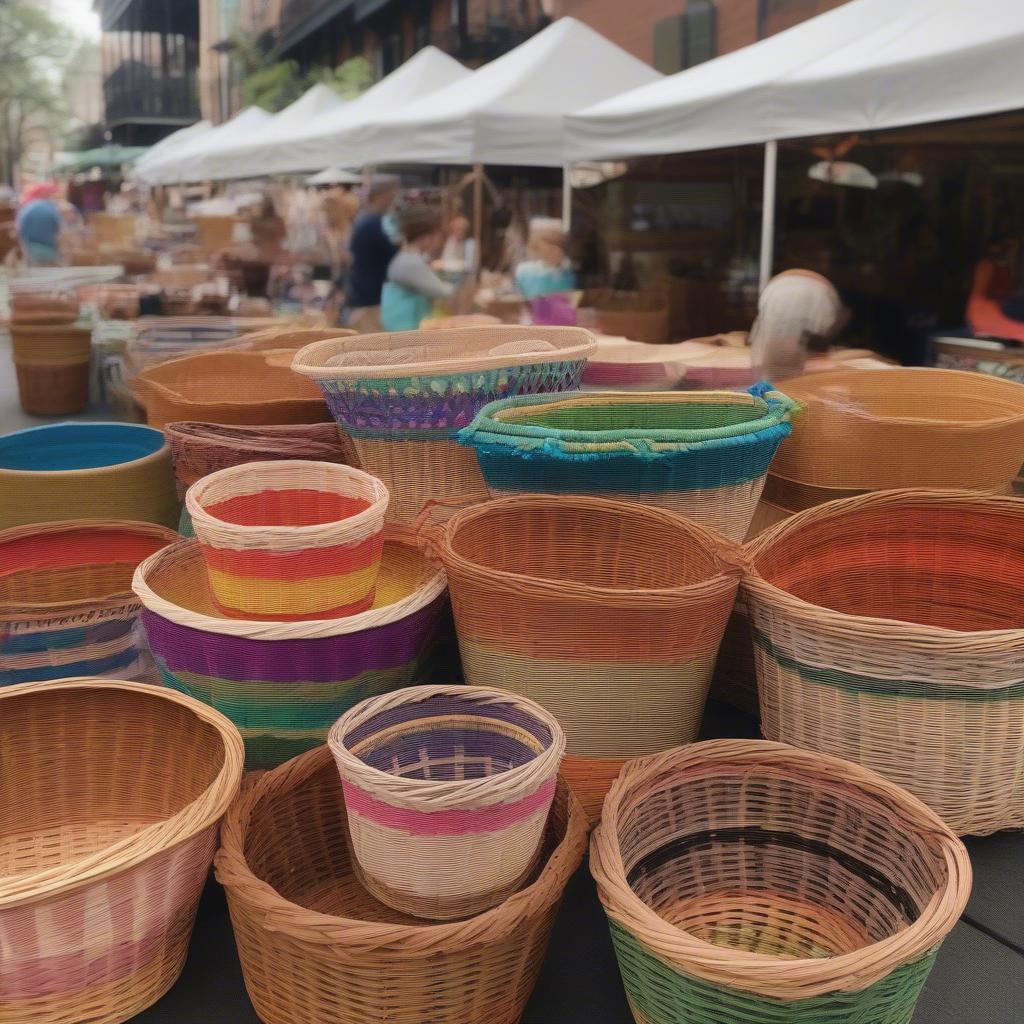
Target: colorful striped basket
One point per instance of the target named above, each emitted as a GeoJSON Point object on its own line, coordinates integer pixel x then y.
{"type": "Point", "coordinates": [300, 914]}
{"type": "Point", "coordinates": [889, 629]}
{"type": "Point", "coordinates": [110, 470]}
{"type": "Point", "coordinates": [703, 455]}
{"type": "Point", "coordinates": [66, 604]}
{"type": "Point", "coordinates": [109, 813]}
{"type": "Point", "coordinates": [448, 790]}
{"type": "Point", "coordinates": [752, 883]}
{"type": "Point", "coordinates": [900, 427]}
{"type": "Point", "coordinates": [403, 397]}
{"type": "Point", "coordinates": [604, 612]}
{"type": "Point", "coordinates": [290, 539]}
{"type": "Point", "coordinates": [284, 684]}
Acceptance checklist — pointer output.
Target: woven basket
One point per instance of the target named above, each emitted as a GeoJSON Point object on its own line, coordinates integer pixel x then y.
{"type": "Point", "coordinates": [889, 629]}
{"type": "Point", "coordinates": [702, 455]}
{"type": "Point", "coordinates": [447, 790]}
{"type": "Point", "coordinates": [633, 315]}
{"type": "Point", "coordinates": [752, 883]}
{"type": "Point", "coordinates": [228, 387]}
{"type": "Point", "coordinates": [108, 824]}
{"type": "Point", "coordinates": [108, 470]}
{"type": "Point", "coordinates": [300, 914]}
{"type": "Point", "coordinates": [161, 339]}
{"type": "Point", "coordinates": [403, 397]}
{"type": "Point", "coordinates": [66, 605]}
{"type": "Point", "coordinates": [623, 365]}
{"type": "Point", "coordinates": [284, 684]}
{"type": "Point", "coordinates": [58, 307]}
{"type": "Point", "coordinates": [291, 539]}
{"type": "Point", "coordinates": [52, 389]}
{"type": "Point", "coordinates": [59, 344]}
{"type": "Point", "coordinates": [277, 339]}
{"type": "Point", "coordinates": [110, 229]}
{"type": "Point", "coordinates": [604, 612]}
{"type": "Point", "coordinates": [876, 429]}
{"type": "Point", "coordinates": [449, 323]}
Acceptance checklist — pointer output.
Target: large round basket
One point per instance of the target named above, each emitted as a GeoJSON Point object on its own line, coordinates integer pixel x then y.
{"type": "Point", "coordinates": [112, 796]}
{"type": "Point", "coordinates": [284, 684]}
{"type": "Point", "coordinates": [104, 470]}
{"type": "Point", "coordinates": [889, 629]}
{"type": "Point", "coordinates": [299, 913]}
{"type": "Point", "coordinates": [703, 455]}
{"type": "Point", "coordinates": [403, 397]}
{"type": "Point", "coordinates": [227, 387]}
{"type": "Point", "coordinates": [448, 790]}
{"type": "Point", "coordinates": [160, 339]}
{"type": "Point", "coordinates": [877, 429]}
{"type": "Point", "coordinates": [604, 612]}
{"type": "Point", "coordinates": [66, 603]}
{"type": "Point", "coordinates": [752, 883]}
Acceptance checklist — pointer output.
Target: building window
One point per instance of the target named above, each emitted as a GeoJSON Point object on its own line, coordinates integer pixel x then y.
{"type": "Point", "coordinates": [700, 32]}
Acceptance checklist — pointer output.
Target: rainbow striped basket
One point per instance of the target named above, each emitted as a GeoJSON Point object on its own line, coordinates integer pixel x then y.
{"type": "Point", "coordinates": [285, 683]}
{"type": "Point", "coordinates": [702, 454]}
{"type": "Point", "coordinates": [290, 540]}
{"type": "Point", "coordinates": [448, 790]}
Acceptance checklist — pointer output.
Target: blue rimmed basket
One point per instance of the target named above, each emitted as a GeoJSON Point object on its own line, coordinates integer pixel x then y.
{"type": "Point", "coordinates": [402, 398]}
{"type": "Point", "coordinates": [702, 454]}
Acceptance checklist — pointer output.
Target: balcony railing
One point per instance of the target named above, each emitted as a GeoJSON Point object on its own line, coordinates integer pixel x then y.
{"type": "Point", "coordinates": [134, 93]}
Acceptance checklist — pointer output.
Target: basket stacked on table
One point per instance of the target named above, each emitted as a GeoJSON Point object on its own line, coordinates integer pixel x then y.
{"type": "Point", "coordinates": [702, 455]}
{"type": "Point", "coordinates": [66, 605]}
{"type": "Point", "coordinates": [402, 398]}
{"type": "Point", "coordinates": [99, 470]}
{"type": "Point", "coordinates": [109, 813]}
{"type": "Point", "coordinates": [889, 629]}
{"type": "Point", "coordinates": [609, 614]}
{"type": "Point", "coordinates": [637, 316]}
{"type": "Point", "coordinates": [751, 883]}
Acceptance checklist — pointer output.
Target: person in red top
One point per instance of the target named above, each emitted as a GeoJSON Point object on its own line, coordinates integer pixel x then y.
{"type": "Point", "coordinates": [995, 307]}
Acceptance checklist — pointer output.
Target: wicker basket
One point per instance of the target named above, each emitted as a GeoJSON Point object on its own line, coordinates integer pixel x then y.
{"type": "Point", "coordinates": [57, 343]}
{"type": "Point", "coordinates": [889, 629]}
{"type": "Point", "coordinates": [403, 397]}
{"type": "Point", "coordinates": [702, 455]}
{"type": "Point", "coordinates": [278, 340]}
{"type": "Point", "coordinates": [447, 790]}
{"type": "Point", "coordinates": [752, 883]}
{"type": "Point", "coordinates": [291, 539]}
{"type": "Point", "coordinates": [604, 612]}
{"type": "Point", "coordinates": [161, 339]}
{"type": "Point", "coordinates": [633, 315]}
{"type": "Point", "coordinates": [52, 389]}
{"type": "Point", "coordinates": [228, 387]}
{"type": "Point", "coordinates": [300, 914]}
{"type": "Point", "coordinates": [66, 605]}
{"type": "Point", "coordinates": [284, 684]}
{"type": "Point", "coordinates": [875, 429]}
{"type": "Point", "coordinates": [110, 470]}
{"type": "Point", "coordinates": [110, 229]}
{"type": "Point", "coordinates": [110, 809]}
{"type": "Point", "coordinates": [449, 323]}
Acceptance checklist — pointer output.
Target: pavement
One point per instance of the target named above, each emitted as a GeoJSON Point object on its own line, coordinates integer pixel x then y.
{"type": "Point", "coordinates": [978, 979]}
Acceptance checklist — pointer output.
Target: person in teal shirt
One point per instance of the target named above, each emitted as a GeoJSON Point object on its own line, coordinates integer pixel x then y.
{"type": "Point", "coordinates": [412, 287]}
{"type": "Point", "coordinates": [548, 271]}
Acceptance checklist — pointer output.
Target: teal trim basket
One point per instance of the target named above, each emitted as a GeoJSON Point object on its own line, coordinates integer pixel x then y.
{"type": "Point", "coordinates": [702, 454]}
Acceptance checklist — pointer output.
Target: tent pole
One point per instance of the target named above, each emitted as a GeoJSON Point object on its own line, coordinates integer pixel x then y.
{"type": "Point", "coordinates": [771, 166]}
{"type": "Point", "coordinates": [478, 214]}
{"type": "Point", "coordinates": [567, 198]}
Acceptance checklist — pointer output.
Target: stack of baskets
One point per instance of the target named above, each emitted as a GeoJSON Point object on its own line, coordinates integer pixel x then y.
{"type": "Point", "coordinates": [403, 397]}
{"type": "Point", "coordinates": [604, 612]}
{"type": "Point", "coordinates": [703, 455]}
{"type": "Point", "coordinates": [638, 316]}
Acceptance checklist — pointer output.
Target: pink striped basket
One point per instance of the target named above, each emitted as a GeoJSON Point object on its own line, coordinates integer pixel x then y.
{"type": "Point", "coordinates": [447, 790]}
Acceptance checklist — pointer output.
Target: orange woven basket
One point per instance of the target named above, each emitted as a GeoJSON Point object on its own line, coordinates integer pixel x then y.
{"type": "Point", "coordinates": [109, 812]}
{"type": "Point", "coordinates": [604, 612]}
{"type": "Point", "coordinates": [300, 914]}
{"type": "Point", "coordinates": [228, 387]}
{"type": "Point", "coordinates": [889, 629]}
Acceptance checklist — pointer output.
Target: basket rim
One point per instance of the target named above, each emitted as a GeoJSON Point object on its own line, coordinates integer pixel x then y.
{"type": "Point", "coordinates": [308, 629]}
{"type": "Point", "coordinates": [17, 610]}
{"type": "Point", "coordinates": [824, 618]}
{"type": "Point", "coordinates": [311, 360]}
{"type": "Point", "coordinates": [452, 794]}
{"type": "Point", "coordinates": [761, 973]}
{"type": "Point", "coordinates": [205, 811]}
{"type": "Point", "coordinates": [164, 451]}
{"type": "Point", "coordinates": [348, 936]}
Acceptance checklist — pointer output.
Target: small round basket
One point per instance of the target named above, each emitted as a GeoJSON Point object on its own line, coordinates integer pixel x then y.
{"type": "Point", "coordinates": [448, 790]}
{"type": "Point", "coordinates": [751, 883]}
{"type": "Point", "coordinates": [290, 540]}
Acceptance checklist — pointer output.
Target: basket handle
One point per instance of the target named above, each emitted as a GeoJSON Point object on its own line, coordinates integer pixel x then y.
{"type": "Point", "coordinates": [427, 534]}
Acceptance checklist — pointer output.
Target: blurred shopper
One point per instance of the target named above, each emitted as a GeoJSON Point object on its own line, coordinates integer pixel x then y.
{"type": "Point", "coordinates": [269, 230]}
{"type": "Point", "coordinates": [372, 250]}
{"type": "Point", "coordinates": [547, 271]}
{"type": "Point", "coordinates": [996, 307]}
{"type": "Point", "coordinates": [798, 310]}
{"type": "Point", "coordinates": [39, 224]}
{"type": "Point", "coordinates": [412, 288]}
{"type": "Point", "coordinates": [459, 253]}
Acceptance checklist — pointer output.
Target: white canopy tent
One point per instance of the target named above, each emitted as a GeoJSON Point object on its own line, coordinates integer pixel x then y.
{"type": "Point", "coordinates": [868, 64]}
{"type": "Point", "coordinates": [320, 142]}
{"type": "Point", "coordinates": [176, 167]}
{"type": "Point", "coordinates": [171, 143]}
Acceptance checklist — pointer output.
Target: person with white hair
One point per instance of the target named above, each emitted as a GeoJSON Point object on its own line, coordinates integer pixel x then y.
{"type": "Point", "coordinates": [798, 309]}
{"type": "Point", "coordinates": [547, 271]}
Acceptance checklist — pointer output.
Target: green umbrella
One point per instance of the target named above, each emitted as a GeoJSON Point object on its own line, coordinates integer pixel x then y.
{"type": "Point", "coordinates": [106, 156]}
